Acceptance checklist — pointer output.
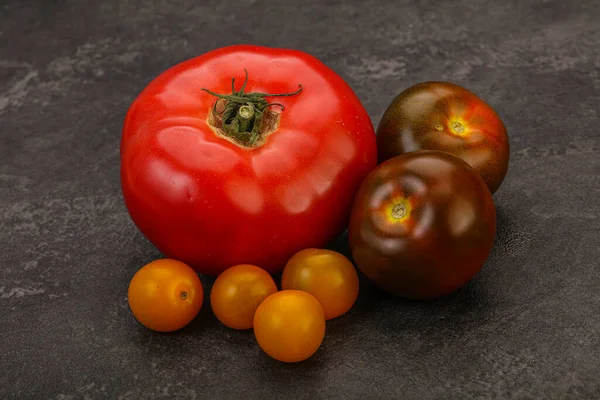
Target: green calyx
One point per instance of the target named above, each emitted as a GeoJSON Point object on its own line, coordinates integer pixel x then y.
{"type": "Point", "coordinates": [242, 113]}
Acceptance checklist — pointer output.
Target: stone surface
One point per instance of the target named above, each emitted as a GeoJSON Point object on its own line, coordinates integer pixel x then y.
{"type": "Point", "coordinates": [526, 327]}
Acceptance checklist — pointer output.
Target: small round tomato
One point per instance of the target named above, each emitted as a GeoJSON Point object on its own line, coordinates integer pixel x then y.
{"type": "Point", "coordinates": [237, 293]}
{"type": "Point", "coordinates": [443, 116]}
{"type": "Point", "coordinates": [328, 276]}
{"type": "Point", "coordinates": [423, 224]}
{"type": "Point", "coordinates": [289, 325]}
{"type": "Point", "coordinates": [165, 295]}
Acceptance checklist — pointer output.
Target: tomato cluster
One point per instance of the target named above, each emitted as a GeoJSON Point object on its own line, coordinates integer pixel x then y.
{"type": "Point", "coordinates": [424, 221]}
{"type": "Point", "coordinates": [242, 181]}
{"type": "Point", "coordinates": [289, 325]}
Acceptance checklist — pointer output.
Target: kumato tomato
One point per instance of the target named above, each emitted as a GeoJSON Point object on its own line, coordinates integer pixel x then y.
{"type": "Point", "coordinates": [423, 224]}
{"type": "Point", "coordinates": [327, 275]}
{"type": "Point", "coordinates": [165, 295]}
{"type": "Point", "coordinates": [237, 293]}
{"type": "Point", "coordinates": [444, 116]}
{"type": "Point", "coordinates": [289, 325]}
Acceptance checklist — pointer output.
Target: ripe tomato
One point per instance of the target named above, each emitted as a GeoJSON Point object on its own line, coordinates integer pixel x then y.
{"type": "Point", "coordinates": [226, 176]}
{"type": "Point", "coordinates": [423, 224]}
{"type": "Point", "coordinates": [328, 276]}
{"type": "Point", "coordinates": [165, 295]}
{"type": "Point", "coordinates": [289, 325]}
{"type": "Point", "coordinates": [443, 116]}
{"type": "Point", "coordinates": [237, 293]}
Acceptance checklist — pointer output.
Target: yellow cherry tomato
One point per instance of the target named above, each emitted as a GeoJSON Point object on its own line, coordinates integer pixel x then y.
{"type": "Point", "coordinates": [165, 295]}
{"type": "Point", "coordinates": [237, 293]}
{"type": "Point", "coordinates": [289, 325]}
{"type": "Point", "coordinates": [328, 276]}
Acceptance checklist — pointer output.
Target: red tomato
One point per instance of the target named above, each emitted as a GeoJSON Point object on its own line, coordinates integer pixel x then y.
{"type": "Point", "coordinates": [443, 116]}
{"type": "Point", "coordinates": [239, 180]}
{"type": "Point", "coordinates": [423, 224]}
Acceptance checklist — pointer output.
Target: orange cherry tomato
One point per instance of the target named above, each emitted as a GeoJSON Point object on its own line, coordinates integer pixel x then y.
{"type": "Point", "coordinates": [289, 325]}
{"type": "Point", "coordinates": [165, 295]}
{"type": "Point", "coordinates": [237, 293]}
{"type": "Point", "coordinates": [327, 275]}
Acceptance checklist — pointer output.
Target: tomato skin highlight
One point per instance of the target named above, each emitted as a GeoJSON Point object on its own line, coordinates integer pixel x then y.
{"type": "Point", "coordinates": [165, 295]}
{"type": "Point", "coordinates": [423, 224]}
{"type": "Point", "coordinates": [289, 325]}
{"type": "Point", "coordinates": [327, 275]}
{"type": "Point", "coordinates": [211, 203]}
{"type": "Point", "coordinates": [237, 293]}
{"type": "Point", "coordinates": [446, 117]}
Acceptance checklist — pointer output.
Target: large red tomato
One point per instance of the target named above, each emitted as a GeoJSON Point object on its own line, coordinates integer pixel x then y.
{"type": "Point", "coordinates": [217, 173]}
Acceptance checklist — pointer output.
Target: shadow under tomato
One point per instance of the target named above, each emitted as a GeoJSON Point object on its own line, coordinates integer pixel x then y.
{"type": "Point", "coordinates": [461, 309]}
{"type": "Point", "coordinates": [341, 245]}
{"type": "Point", "coordinates": [513, 234]}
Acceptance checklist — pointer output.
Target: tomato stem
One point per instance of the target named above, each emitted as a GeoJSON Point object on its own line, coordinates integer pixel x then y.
{"type": "Point", "coordinates": [242, 113]}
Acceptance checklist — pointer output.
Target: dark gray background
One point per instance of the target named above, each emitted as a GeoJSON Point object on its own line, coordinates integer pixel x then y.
{"type": "Point", "coordinates": [526, 327]}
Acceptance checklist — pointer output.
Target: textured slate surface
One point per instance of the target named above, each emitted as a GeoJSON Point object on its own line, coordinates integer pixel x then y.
{"type": "Point", "coordinates": [527, 326]}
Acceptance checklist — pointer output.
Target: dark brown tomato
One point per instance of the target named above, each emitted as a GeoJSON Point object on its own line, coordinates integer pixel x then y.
{"type": "Point", "coordinates": [444, 116]}
{"type": "Point", "coordinates": [422, 225]}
